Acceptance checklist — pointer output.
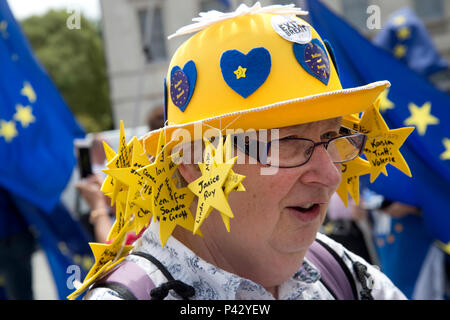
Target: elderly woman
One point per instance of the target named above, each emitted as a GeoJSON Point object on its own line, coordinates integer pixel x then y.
{"type": "Point", "coordinates": [256, 68]}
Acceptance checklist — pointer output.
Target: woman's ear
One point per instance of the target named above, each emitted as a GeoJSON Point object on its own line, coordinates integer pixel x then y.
{"type": "Point", "coordinates": [190, 172]}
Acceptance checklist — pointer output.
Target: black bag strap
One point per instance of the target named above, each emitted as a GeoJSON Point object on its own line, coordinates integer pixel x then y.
{"type": "Point", "coordinates": [335, 275]}
{"type": "Point", "coordinates": [159, 293]}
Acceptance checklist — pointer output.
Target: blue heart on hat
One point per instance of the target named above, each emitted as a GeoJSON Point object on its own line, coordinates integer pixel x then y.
{"type": "Point", "coordinates": [313, 57]}
{"type": "Point", "coordinates": [182, 84]}
{"type": "Point", "coordinates": [245, 73]}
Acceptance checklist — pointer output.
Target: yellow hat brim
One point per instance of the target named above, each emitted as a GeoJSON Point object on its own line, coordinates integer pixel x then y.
{"type": "Point", "coordinates": [282, 114]}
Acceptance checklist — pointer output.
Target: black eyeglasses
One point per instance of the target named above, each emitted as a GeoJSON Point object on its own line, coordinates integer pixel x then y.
{"type": "Point", "coordinates": [295, 152]}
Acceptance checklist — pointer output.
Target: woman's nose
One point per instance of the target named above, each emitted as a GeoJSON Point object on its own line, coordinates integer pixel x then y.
{"type": "Point", "coordinates": [320, 169]}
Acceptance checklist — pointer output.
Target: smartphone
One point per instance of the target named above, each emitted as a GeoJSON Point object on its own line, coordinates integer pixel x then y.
{"type": "Point", "coordinates": [84, 158]}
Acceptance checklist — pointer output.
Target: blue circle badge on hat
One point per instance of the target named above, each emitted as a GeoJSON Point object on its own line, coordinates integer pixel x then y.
{"type": "Point", "coordinates": [313, 58]}
{"type": "Point", "coordinates": [182, 84]}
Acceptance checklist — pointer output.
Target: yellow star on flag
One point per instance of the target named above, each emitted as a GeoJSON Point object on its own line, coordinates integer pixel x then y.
{"type": "Point", "coordinates": [403, 33]}
{"type": "Point", "coordinates": [240, 72]}
{"type": "Point", "coordinates": [106, 257]}
{"type": "Point", "coordinates": [209, 188]}
{"type": "Point", "coordinates": [24, 115]}
{"type": "Point", "coordinates": [398, 20]}
{"type": "Point", "coordinates": [421, 117]}
{"type": "Point", "coordinates": [8, 130]}
{"type": "Point", "coordinates": [28, 92]}
{"type": "Point", "coordinates": [446, 154]}
{"type": "Point", "coordinates": [351, 171]}
{"type": "Point", "coordinates": [382, 146]}
{"type": "Point", "coordinates": [399, 51]}
{"type": "Point", "coordinates": [385, 103]}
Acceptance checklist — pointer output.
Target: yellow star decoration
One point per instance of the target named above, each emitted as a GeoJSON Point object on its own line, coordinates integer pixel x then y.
{"type": "Point", "coordinates": [8, 130]}
{"type": "Point", "coordinates": [233, 182]}
{"type": "Point", "coordinates": [119, 223]}
{"type": "Point", "coordinates": [209, 187]}
{"type": "Point", "coordinates": [24, 115]}
{"type": "Point", "coordinates": [421, 117]}
{"type": "Point", "coordinates": [28, 92]}
{"type": "Point", "coordinates": [136, 189]}
{"type": "Point", "coordinates": [399, 51]}
{"type": "Point", "coordinates": [385, 103]}
{"type": "Point", "coordinates": [350, 179]}
{"type": "Point", "coordinates": [382, 146]}
{"type": "Point", "coordinates": [446, 154]}
{"type": "Point", "coordinates": [106, 256]}
{"type": "Point", "coordinates": [403, 33]}
{"type": "Point", "coordinates": [162, 167]}
{"type": "Point", "coordinates": [170, 204]}
{"type": "Point", "coordinates": [108, 183]}
{"type": "Point", "coordinates": [121, 160]}
{"type": "Point", "coordinates": [240, 72]}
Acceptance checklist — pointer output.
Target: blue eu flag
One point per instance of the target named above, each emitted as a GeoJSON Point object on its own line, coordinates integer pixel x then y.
{"type": "Point", "coordinates": [411, 101]}
{"type": "Point", "coordinates": [405, 36]}
{"type": "Point", "coordinates": [36, 127]}
{"type": "Point", "coordinates": [36, 154]}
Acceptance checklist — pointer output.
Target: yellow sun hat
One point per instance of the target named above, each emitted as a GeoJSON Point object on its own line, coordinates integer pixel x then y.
{"type": "Point", "coordinates": [255, 68]}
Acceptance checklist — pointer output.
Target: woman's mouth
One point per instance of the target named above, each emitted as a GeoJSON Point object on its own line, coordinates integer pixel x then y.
{"type": "Point", "coordinates": [307, 212]}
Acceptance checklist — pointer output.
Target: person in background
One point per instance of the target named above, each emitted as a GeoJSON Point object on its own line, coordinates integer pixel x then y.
{"type": "Point", "coordinates": [407, 251]}
{"type": "Point", "coordinates": [100, 217]}
{"type": "Point", "coordinates": [350, 227]}
{"type": "Point", "coordinates": [155, 118]}
{"type": "Point", "coordinates": [17, 245]}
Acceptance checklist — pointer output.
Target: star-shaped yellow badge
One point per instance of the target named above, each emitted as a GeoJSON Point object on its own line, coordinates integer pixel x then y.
{"type": "Point", "coordinates": [121, 160]}
{"type": "Point", "coordinates": [209, 187]}
{"type": "Point", "coordinates": [170, 204]}
{"type": "Point", "coordinates": [106, 256]}
{"type": "Point", "coordinates": [137, 188]}
{"type": "Point", "coordinates": [108, 183]}
{"type": "Point", "coordinates": [351, 171]}
{"type": "Point", "coordinates": [382, 146]}
{"type": "Point", "coordinates": [233, 181]}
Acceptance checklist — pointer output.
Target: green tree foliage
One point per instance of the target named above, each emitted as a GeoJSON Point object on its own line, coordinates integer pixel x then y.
{"type": "Point", "coordinates": [74, 59]}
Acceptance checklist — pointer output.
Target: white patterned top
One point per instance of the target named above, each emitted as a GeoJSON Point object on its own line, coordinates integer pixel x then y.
{"type": "Point", "coordinates": [211, 282]}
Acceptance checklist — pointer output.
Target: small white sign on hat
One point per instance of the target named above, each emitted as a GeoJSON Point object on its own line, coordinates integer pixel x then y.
{"type": "Point", "coordinates": [290, 29]}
